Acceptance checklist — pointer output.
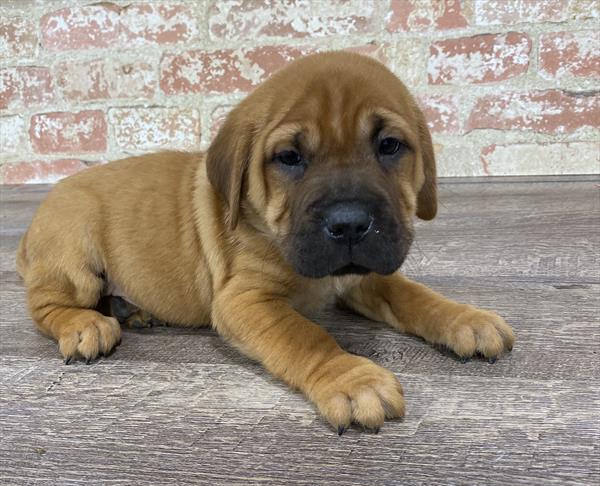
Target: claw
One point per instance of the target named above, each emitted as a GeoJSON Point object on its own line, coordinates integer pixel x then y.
{"type": "Point", "coordinates": [68, 360]}
{"type": "Point", "coordinates": [88, 361]}
{"type": "Point", "coordinates": [464, 360]}
{"type": "Point", "coordinates": [492, 360]}
{"type": "Point", "coordinates": [510, 348]}
{"type": "Point", "coordinates": [341, 429]}
{"type": "Point", "coordinates": [376, 430]}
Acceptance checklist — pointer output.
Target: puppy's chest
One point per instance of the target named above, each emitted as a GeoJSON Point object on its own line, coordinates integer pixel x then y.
{"type": "Point", "coordinates": [310, 296]}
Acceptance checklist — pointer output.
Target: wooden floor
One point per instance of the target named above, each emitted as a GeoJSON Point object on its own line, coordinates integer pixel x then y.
{"type": "Point", "coordinates": [175, 406]}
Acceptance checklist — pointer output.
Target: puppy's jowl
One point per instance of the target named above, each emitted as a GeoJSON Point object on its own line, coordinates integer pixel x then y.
{"type": "Point", "coordinates": [307, 194]}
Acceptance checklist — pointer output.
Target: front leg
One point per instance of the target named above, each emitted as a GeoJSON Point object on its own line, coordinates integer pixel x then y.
{"type": "Point", "coordinates": [412, 307]}
{"type": "Point", "coordinates": [346, 388]}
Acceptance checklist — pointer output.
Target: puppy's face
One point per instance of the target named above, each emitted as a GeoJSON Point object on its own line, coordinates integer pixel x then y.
{"type": "Point", "coordinates": [331, 159]}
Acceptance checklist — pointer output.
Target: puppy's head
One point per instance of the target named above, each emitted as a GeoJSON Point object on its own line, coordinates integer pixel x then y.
{"type": "Point", "coordinates": [331, 159]}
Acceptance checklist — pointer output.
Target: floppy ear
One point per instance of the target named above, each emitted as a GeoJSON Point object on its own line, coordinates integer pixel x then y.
{"type": "Point", "coordinates": [427, 197]}
{"type": "Point", "coordinates": [227, 162]}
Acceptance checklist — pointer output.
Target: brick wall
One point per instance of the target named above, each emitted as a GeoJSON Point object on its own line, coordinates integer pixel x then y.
{"type": "Point", "coordinates": [509, 86]}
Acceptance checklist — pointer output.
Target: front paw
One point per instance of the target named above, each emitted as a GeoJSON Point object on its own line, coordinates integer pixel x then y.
{"type": "Point", "coordinates": [475, 331]}
{"type": "Point", "coordinates": [351, 389]}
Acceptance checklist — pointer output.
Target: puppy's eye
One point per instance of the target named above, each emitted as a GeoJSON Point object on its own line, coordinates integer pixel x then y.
{"type": "Point", "coordinates": [390, 146]}
{"type": "Point", "coordinates": [289, 157]}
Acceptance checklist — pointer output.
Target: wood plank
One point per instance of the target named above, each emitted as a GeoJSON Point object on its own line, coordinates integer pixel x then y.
{"type": "Point", "coordinates": [179, 406]}
{"type": "Point", "coordinates": [229, 425]}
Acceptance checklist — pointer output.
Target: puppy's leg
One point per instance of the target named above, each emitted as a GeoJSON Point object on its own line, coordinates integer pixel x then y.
{"type": "Point", "coordinates": [413, 308]}
{"type": "Point", "coordinates": [61, 304]}
{"type": "Point", "coordinates": [346, 388]}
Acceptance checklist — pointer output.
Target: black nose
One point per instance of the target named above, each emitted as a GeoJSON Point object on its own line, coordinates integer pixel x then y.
{"type": "Point", "coordinates": [347, 222]}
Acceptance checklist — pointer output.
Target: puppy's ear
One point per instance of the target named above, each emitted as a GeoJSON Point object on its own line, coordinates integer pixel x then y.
{"type": "Point", "coordinates": [227, 162]}
{"type": "Point", "coordinates": [427, 197]}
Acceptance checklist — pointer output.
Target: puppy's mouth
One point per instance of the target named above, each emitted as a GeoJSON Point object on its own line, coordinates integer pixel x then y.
{"type": "Point", "coordinates": [351, 269]}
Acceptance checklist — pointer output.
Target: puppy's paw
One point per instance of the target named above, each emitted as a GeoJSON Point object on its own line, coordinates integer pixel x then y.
{"type": "Point", "coordinates": [479, 331]}
{"type": "Point", "coordinates": [351, 389]}
{"type": "Point", "coordinates": [88, 336]}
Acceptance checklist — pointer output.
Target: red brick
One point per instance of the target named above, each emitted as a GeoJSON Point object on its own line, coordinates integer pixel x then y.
{"type": "Point", "coordinates": [223, 71]}
{"type": "Point", "coordinates": [551, 111]}
{"type": "Point", "coordinates": [81, 27]}
{"type": "Point", "coordinates": [479, 59]}
{"type": "Point", "coordinates": [39, 171]}
{"type": "Point", "coordinates": [25, 86]}
{"type": "Point", "coordinates": [541, 158]}
{"type": "Point", "coordinates": [570, 54]}
{"type": "Point", "coordinates": [425, 15]}
{"type": "Point", "coordinates": [13, 134]}
{"type": "Point", "coordinates": [441, 112]}
{"type": "Point", "coordinates": [157, 24]}
{"type": "Point", "coordinates": [137, 128]}
{"type": "Point", "coordinates": [63, 132]}
{"type": "Point", "coordinates": [249, 19]}
{"type": "Point", "coordinates": [18, 38]}
{"type": "Point", "coordinates": [106, 78]}
{"type": "Point", "coordinates": [508, 12]}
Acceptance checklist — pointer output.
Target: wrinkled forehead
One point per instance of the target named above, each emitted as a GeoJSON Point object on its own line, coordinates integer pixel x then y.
{"type": "Point", "coordinates": [338, 112]}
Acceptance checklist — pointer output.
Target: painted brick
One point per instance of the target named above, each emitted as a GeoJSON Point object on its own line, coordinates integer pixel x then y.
{"type": "Point", "coordinates": [63, 132]}
{"type": "Point", "coordinates": [39, 171]}
{"type": "Point", "coordinates": [425, 15]}
{"type": "Point", "coordinates": [441, 112]}
{"type": "Point", "coordinates": [157, 24]}
{"type": "Point", "coordinates": [479, 59]}
{"type": "Point", "coordinates": [223, 71]}
{"type": "Point", "coordinates": [106, 78]}
{"type": "Point", "coordinates": [378, 51]}
{"type": "Point", "coordinates": [81, 27]}
{"type": "Point", "coordinates": [217, 117]}
{"type": "Point", "coordinates": [137, 128]}
{"type": "Point", "coordinates": [18, 38]}
{"type": "Point", "coordinates": [25, 86]}
{"type": "Point", "coordinates": [508, 12]}
{"type": "Point", "coordinates": [249, 19]}
{"type": "Point", "coordinates": [551, 111]}
{"type": "Point", "coordinates": [410, 62]}
{"type": "Point", "coordinates": [564, 54]}
{"type": "Point", "coordinates": [13, 136]}
{"type": "Point", "coordinates": [455, 160]}
{"type": "Point", "coordinates": [584, 9]}
{"type": "Point", "coordinates": [541, 159]}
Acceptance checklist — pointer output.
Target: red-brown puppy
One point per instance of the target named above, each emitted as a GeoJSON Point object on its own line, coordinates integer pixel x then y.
{"type": "Point", "coordinates": [307, 195]}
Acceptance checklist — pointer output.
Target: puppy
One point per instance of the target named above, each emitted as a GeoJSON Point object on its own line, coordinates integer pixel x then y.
{"type": "Point", "coordinates": [307, 195]}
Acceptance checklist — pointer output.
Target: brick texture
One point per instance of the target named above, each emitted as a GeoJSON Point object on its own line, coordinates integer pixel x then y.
{"type": "Point", "coordinates": [39, 171]}
{"type": "Point", "coordinates": [425, 15]}
{"type": "Point", "coordinates": [25, 86]}
{"type": "Point", "coordinates": [62, 132]}
{"type": "Point", "coordinates": [223, 71]}
{"type": "Point", "coordinates": [555, 158]}
{"type": "Point", "coordinates": [508, 87]}
{"type": "Point", "coordinates": [104, 79]}
{"type": "Point", "coordinates": [249, 19]}
{"type": "Point", "coordinates": [18, 38]}
{"type": "Point", "coordinates": [570, 54]}
{"type": "Point", "coordinates": [155, 128]}
{"type": "Point", "coordinates": [480, 59]}
{"type": "Point", "coordinates": [508, 12]}
{"type": "Point", "coordinates": [552, 112]}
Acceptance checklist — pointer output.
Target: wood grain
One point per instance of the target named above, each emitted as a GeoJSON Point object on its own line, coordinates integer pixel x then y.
{"type": "Point", "coordinates": [179, 406]}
